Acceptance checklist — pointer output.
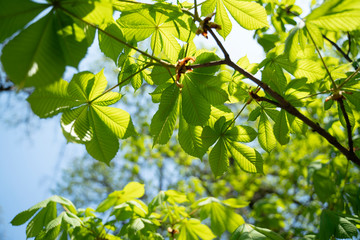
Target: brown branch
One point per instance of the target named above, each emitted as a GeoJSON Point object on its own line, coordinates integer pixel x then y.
{"type": "Point", "coordinates": [346, 56]}
{"type": "Point", "coordinates": [284, 104]}
{"type": "Point", "coordinates": [349, 47]}
{"type": "Point", "coordinates": [348, 125]}
{"type": "Point", "coordinates": [208, 64]}
{"type": "Point", "coordinates": [226, 54]}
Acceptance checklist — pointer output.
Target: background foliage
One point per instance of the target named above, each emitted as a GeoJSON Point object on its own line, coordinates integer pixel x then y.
{"type": "Point", "coordinates": [281, 137]}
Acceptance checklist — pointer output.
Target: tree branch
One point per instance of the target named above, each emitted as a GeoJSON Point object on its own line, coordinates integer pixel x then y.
{"type": "Point", "coordinates": [346, 56]}
{"type": "Point", "coordinates": [348, 125]}
{"type": "Point", "coordinates": [284, 104]}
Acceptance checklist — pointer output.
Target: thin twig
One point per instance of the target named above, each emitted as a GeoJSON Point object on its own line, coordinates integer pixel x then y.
{"type": "Point", "coordinates": [349, 78]}
{"type": "Point", "coordinates": [349, 47]}
{"type": "Point", "coordinates": [207, 64]}
{"type": "Point", "coordinates": [346, 56]}
{"type": "Point", "coordinates": [348, 125]}
{"type": "Point", "coordinates": [226, 54]}
{"type": "Point", "coordinates": [321, 58]}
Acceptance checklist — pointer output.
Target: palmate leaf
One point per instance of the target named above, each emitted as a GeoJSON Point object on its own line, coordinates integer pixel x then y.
{"type": "Point", "coordinates": [16, 14]}
{"type": "Point", "coordinates": [249, 15]}
{"type": "Point", "coordinates": [86, 116]}
{"type": "Point", "coordinates": [222, 217]}
{"type": "Point", "coordinates": [192, 229]}
{"type": "Point", "coordinates": [131, 191]}
{"type": "Point", "coordinates": [163, 27]}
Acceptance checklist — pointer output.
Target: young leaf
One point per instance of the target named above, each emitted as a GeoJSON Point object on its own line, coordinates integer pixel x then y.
{"type": "Point", "coordinates": [192, 229]}
{"type": "Point", "coordinates": [222, 217]}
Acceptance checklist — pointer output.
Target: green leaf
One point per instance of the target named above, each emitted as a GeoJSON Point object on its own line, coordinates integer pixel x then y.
{"type": "Point", "coordinates": [192, 229]}
{"type": "Point", "coordinates": [29, 60]}
{"type": "Point", "coordinates": [266, 136]}
{"type": "Point", "coordinates": [190, 139]}
{"type": "Point", "coordinates": [249, 15]}
{"type": "Point", "coordinates": [331, 224]}
{"type": "Point", "coordinates": [281, 128]}
{"type": "Point", "coordinates": [208, 7]}
{"type": "Point", "coordinates": [51, 100]}
{"type": "Point", "coordinates": [195, 108]}
{"type": "Point", "coordinates": [163, 27]}
{"type": "Point", "coordinates": [109, 45]}
{"type": "Point", "coordinates": [307, 68]}
{"type": "Point", "coordinates": [218, 158]}
{"type": "Point", "coordinates": [97, 12]}
{"type": "Point", "coordinates": [72, 38]}
{"type": "Point", "coordinates": [23, 217]}
{"type": "Point", "coordinates": [104, 144]}
{"type": "Point", "coordinates": [246, 157]}
{"type": "Point", "coordinates": [15, 14]}
{"type": "Point", "coordinates": [163, 122]}
{"type": "Point", "coordinates": [222, 217]}
{"type": "Point", "coordinates": [117, 120]}
{"type": "Point", "coordinates": [131, 191]}
{"type": "Point", "coordinates": [336, 15]}
{"type": "Point", "coordinates": [324, 187]}
{"type": "Point", "coordinates": [222, 18]}
{"type": "Point", "coordinates": [248, 231]}
{"type": "Point", "coordinates": [241, 134]}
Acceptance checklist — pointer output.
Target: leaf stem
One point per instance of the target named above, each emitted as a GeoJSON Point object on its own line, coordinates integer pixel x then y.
{"type": "Point", "coordinates": [321, 58]}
